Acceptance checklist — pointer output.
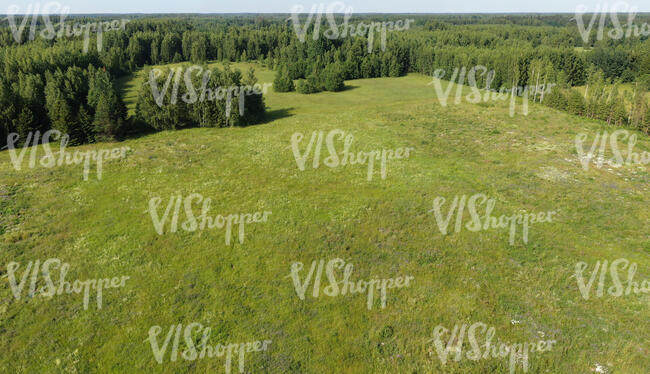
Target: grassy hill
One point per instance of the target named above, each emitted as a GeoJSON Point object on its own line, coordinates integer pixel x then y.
{"type": "Point", "coordinates": [383, 227]}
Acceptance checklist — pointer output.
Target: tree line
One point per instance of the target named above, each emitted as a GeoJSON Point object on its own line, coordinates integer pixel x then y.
{"type": "Point", "coordinates": [52, 84]}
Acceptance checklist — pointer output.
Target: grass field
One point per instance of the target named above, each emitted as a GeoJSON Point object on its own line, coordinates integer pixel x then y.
{"type": "Point", "coordinates": [383, 227]}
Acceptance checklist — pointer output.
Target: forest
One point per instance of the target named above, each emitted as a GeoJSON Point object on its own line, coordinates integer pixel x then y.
{"type": "Point", "coordinates": [57, 84]}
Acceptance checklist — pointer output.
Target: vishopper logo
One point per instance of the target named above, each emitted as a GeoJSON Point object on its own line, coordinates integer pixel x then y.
{"type": "Point", "coordinates": [193, 223]}
{"type": "Point", "coordinates": [50, 160]}
{"type": "Point", "coordinates": [51, 290]}
{"type": "Point", "coordinates": [617, 289]}
{"type": "Point", "coordinates": [204, 93]}
{"type": "Point", "coordinates": [203, 349]}
{"type": "Point", "coordinates": [618, 31]}
{"type": "Point", "coordinates": [478, 222]}
{"type": "Point", "coordinates": [516, 352]}
{"type": "Point", "coordinates": [33, 12]}
{"type": "Point", "coordinates": [333, 33]}
{"type": "Point", "coordinates": [618, 159]}
{"type": "Point", "coordinates": [344, 286]}
{"type": "Point", "coordinates": [488, 94]}
{"type": "Point", "coordinates": [347, 158]}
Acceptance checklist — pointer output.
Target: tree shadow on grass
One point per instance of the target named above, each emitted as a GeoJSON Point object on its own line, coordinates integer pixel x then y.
{"type": "Point", "coordinates": [274, 115]}
{"type": "Point", "coordinates": [138, 129]}
{"type": "Point", "coordinates": [349, 88]}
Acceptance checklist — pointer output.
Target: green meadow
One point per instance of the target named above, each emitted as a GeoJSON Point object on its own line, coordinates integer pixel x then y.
{"type": "Point", "coordinates": [243, 291]}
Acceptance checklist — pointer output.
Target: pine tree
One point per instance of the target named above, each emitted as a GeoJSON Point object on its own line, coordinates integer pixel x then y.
{"type": "Point", "coordinates": [575, 103]}
{"type": "Point", "coordinates": [199, 49]}
{"type": "Point", "coordinates": [385, 68]}
{"type": "Point", "coordinates": [186, 45]}
{"type": "Point", "coordinates": [155, 52]}
{"type": "Point", "coordinates": [254, 104]}
{"type": "Point", "coordinates": [395, 69]}
{"type": "Point", "coordinates": [169, 48]}
{"type": "Point", "coordinates": [309, 86]}
{"type": "Point", "coordinates": [7, 112]}
{"type": "Point", "coordinates": [645, 127]}
{"type": "Point", "coordinates": [85, 121]}
{"type": "Point", "coordinates": [138, 51]}
{"type": "Point", "coordinates": [282, 81]}
{"type": "Point", "coordinates": [63, 120]}
{"type": "Point", "coordinates": [24, 124]}
{"type": "Point", "coordinates": [556, 99]}
{"type": "Point", "coordinates": [333, 78]}
{"type": "Point", "coordinates": [105, 126]}
{"type": "Point", "coordinates": [99, 84]}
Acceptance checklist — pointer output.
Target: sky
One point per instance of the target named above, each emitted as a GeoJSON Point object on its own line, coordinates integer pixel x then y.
{"type": "Point", "coordinates": [358, 6]}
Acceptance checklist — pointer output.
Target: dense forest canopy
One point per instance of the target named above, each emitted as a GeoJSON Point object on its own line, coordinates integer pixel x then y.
{"type": "Point", "coordinates": [68, 84]}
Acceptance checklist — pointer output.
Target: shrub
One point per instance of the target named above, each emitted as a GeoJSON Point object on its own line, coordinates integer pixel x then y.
{"type": "Point", "coordinates": [333, 78]}
{"type": "Point", "coordinates": [283, 82]}
{"type": "Point", "coordinates": [109, 117]}
{"type": "Point", "coordinates": [645, 127]}
{"type": "Point", "coordinates": [575, 102]}
{"type": "Point", "coordinates": [627, 76]}
{"type": "Point", "coordinates": [556, 99]}
{"type": "Point", "coordinates": [308, 86]}
{"type": "Point", "coordinates": [644, 82]}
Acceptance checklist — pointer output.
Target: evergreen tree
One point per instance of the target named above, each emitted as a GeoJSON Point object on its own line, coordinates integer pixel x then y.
{"type": "Point", "coordinates": [99, 83]}
{"type": "Point", "coordinates": [199, 49]}
{"type": "Point", "coordinates": [186, 45]}
{"type": "Point", "coordinates": [395, 69]}
{"type": "Point", "coordinates": [155, 52]}
{"type": "Point", "coordinates": [85, 121]}
{"type": "Point", "coordinates": [31, 95]}
{"type": "Point", "coordinates": [62, 119]}
{"type": "Point", "coordinates": [7, 112]}
{"type": "Point", "coordinates": [282, 81]}
{"type": "Point", "coordinates": [138, 51]}
{"type": "Point", "coordinates": [575, 102]}
{"type": "Point", "coordinates": [24, 124]}
{"type": "Point", "coordinates": [556, 99]}
{"type": "Point", "coordinates": [171, 46]}
{"type": "Point", "coordinates": [645, 127]}
{"type": "Point", "coordinates": [308, 86]}
{"type": "Point", "coordinates": [255, 110]}
{"type": "Point", "coordinates": [333, 78]}
{"type": "Point", "coordinates": [107, 124]}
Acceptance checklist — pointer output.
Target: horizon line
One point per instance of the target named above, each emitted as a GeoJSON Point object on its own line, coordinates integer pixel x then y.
{"type": "Point", "coordinates": [355, 13]}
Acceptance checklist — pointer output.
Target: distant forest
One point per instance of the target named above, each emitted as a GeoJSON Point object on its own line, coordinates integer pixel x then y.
{"type": "Point", "coordinates": [53, 84]}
